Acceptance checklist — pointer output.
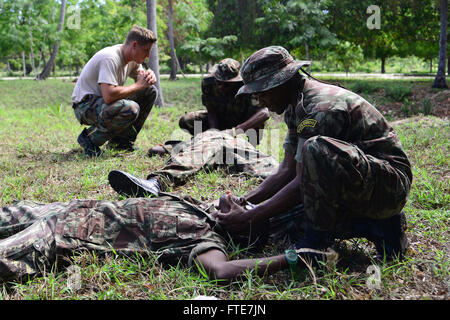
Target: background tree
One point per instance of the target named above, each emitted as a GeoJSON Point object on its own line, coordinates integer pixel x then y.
{"type": "Point", "coordinates": [297, 24]}
{"type": "Point", "coordinates": [170, 35]}
{"type": "Point", "coordinates": [439, 81]}
{"type": "Point", "coordinates": [46, 72]}
{"type": "Point", "coordinates": [154, 59]}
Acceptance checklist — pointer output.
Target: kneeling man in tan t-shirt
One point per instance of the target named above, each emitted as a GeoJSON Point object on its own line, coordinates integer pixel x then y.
{"type": "Point", "coordinates": [115, 112]}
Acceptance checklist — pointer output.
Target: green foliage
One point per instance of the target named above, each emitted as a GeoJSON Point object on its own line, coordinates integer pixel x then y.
{"type": "Point", "coordinates": [398, 92]}
{"type": "Point", "coordinates": [347, 54]}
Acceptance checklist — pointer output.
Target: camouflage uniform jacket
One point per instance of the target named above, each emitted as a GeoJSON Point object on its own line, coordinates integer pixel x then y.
{"type": "Point", "coordinates": [331, 111]}
{"type": "Point", "coordinates": [170, 226]}
{"type": "Point", "coordinates": [230, 111]}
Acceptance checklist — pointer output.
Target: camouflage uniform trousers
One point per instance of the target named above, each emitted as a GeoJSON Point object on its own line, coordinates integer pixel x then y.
{"type": "Point", "coordinates": [340, 181]}
{"type": "Point", "coordinates": [210, 150]}
{"type": "Point", "coordinates": [197, 121]}
{"type": "Point", "coordinates": [173, 228]}
{"type": "Point", "coordinates": [120, 121]}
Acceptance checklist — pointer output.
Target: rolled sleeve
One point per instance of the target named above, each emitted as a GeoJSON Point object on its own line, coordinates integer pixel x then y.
{"type": "Point", "coordinates": [298, 154]}
{"type": "Point", "coordinates": [290, 142]}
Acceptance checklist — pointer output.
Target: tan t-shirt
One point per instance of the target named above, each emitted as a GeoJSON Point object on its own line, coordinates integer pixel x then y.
{"type": "Point", "coordinates": [106, 66]}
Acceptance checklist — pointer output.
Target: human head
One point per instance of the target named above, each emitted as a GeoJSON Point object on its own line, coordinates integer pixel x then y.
{"type": "Point", "coordinates": [227, 76]}
{"type": "Point", "coordinates": [270, 69]}
{"type": "Point", "coordinates": [139, 42]}
{"type": "Point", "coordinates": [141, 35]}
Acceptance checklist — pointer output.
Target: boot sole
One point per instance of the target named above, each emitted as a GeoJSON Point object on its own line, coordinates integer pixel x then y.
{"type": "Point", "coordinates": [124, 184]}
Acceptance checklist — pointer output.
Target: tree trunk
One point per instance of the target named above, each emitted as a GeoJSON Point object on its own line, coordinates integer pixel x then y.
{"type": "Point", "coordinates": [24, 64]}
{"type": "Point", "coordinates": [307, 56]}
{"type": "Point", "coordinates": [383, 64]}
{"type": "Point", "coordinates": [439, 81]}
{"type": "Point", "coordinates": [50, 64]}
{"type": "Point", "coordinates": [173, 57]}
{"type": "Point", "coordinates": [33, 66]}
{"type": "Point", "coordinates": [431, 65]}
{"type": "Point", "coordinates": [154, 59]}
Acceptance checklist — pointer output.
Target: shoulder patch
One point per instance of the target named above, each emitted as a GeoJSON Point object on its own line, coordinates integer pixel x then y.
{"type": "Point", "coordinates": [306, 123]}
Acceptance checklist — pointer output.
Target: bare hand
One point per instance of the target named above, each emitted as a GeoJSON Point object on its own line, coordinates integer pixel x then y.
{"type": "Point", "coordinates": [150, 76]}
{"type": "Point", "coordinates": [235, 220]}
{"type": "Point", "coordinates": [141, 81]}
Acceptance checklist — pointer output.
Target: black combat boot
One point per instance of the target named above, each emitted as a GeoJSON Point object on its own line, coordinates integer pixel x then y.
{"type": "Point", "coordinates": [388, 235]}
{"type": "Point", "coordinates": [89, 148]}
{"type": "Point", "coordinates": [122, 145]}
{"type": "Point", "coordinates": [314, 245]}
{"type": "Point", "coordinates": [128, 185]}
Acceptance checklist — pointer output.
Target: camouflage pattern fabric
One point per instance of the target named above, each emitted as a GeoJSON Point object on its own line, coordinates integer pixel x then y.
{"type": "Point", "coordinates": [227, 70]}
{"type": "Point", "coordinates": [173, 228]}
{"type": "Point", "coordinates": [268, 68]}
{"type": "Point", "coordinates": [121, 120]}
{"type": "Point", "coordinates": [353, 162]}
{"type": "Point", "coordinates": [212, 149]}
{"type": "Point", "coordinates": [230, 111]}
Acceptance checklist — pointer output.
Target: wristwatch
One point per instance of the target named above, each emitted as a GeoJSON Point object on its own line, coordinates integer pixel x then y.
{"type": "Point", "coordinates": [291, 257]}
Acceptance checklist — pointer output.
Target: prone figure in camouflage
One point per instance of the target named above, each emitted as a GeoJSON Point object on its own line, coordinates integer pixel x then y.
{"type": "Point", "coordinates": [224, 111]}
{"type": "Point", "coordinates": [115, 112]}
{"type": "Point", "coordinates": [343, 161]}
{"type": "Point", "coordinates": [206, 151]}
{"type": "Point", "coordinates": [173, 228]}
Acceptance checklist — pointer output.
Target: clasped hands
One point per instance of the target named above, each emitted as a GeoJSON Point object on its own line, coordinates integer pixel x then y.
{"type": "Point", "coordinates": [146, 78]}
{"type": "Point", "coordinates": [232, 214]}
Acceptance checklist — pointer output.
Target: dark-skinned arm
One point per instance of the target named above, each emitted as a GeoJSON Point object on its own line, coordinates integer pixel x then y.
{"type": "Point", "coordinates": [240, 220]}
{"type": "Point", "coordinates": [272, 184]}
{"type": "Point", "coordinates": [255, 121]}
{"type": "Point", "coordinates": [217, 266]}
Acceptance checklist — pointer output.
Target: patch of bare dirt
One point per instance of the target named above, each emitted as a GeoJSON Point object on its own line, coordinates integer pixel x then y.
{"type": "Point", "coordinates": [424, 100]}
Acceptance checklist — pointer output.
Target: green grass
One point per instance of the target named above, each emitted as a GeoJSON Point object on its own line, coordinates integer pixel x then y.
{"type": "Point", "coordinates": [40, 160]}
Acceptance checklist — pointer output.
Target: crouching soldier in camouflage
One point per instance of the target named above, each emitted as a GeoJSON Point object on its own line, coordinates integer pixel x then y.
{"type": "Point", "coordinates": [209, 150]}
{"type": "Point", "coordinates": [223, 109]}
{"type": "Point", "coordinates": [173, 228]}
{"type": "Point", "coordinates": [343, 161]}
{"type": "Point", "coordinates": [115, 112]}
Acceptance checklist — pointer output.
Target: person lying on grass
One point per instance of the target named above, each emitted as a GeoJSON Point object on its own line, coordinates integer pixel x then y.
{"type": "Point", "coordinates": [173, 228]}
{"type": "Point", "coordinates": [208, 150]}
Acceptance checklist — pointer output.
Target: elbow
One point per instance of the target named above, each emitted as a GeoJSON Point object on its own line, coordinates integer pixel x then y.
{"type": "Point", "coordinates": [108, 99]}
{"type": "Point", "coordinates": [220, 272]}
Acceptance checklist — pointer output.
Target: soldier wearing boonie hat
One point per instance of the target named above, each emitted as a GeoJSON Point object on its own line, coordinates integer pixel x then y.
{"type": "Point", "coordinates": [343, 161]}
{"type": "Point", "coordinates": [224, 111]}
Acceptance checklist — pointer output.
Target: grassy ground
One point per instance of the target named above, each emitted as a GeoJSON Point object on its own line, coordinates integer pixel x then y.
{"type": "Point", "coordinates": [40, 160]}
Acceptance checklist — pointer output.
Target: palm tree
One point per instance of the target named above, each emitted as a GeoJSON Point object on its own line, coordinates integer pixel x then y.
{"type": "Point", "coordinates": [173, 57]}
{"type": "Point", "coordinates": [439, 81]}
{"type": "Point", "coordinates": [154, 59]}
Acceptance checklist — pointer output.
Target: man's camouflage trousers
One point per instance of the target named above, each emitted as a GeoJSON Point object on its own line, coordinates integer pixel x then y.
{"type": "Point", "coordinates": [210, 150]}
{"type": "Point", "coordinates": [120, 121]}
{"type": "Point", "coordinates": [173, 228]}
{"type": "Point", "coordinates": [340, 181]}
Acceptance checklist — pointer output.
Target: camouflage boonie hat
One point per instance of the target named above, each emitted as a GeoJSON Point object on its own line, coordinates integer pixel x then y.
{"type": "Point", "coordinates": [227, 70]}
{"type": "Point", "coordinates": [268, 68]}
